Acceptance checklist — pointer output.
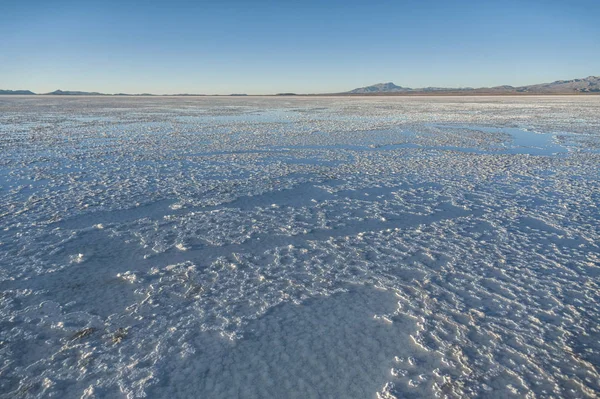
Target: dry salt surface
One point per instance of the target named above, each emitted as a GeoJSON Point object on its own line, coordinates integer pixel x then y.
{"type": "Point", "coordinates": [299, 247]}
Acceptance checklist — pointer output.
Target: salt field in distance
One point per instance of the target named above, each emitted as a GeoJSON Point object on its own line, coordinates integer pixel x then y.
{"type": "Point", "coordinates": [300, 247]}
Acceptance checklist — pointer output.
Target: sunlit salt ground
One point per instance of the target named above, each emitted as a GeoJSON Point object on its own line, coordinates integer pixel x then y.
{"type": "Point", "coordinates": [299, 247]}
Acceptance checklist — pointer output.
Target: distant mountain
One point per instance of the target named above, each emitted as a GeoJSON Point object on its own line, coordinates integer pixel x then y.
{"type": "Point", "coordinates": [21, 92]}
{"type": "Point", "coordinates": [95, 93]}
{"type": "Point", "coordinates": [591, 84]}
{"type": "Point", "coordinates": [380, 88]}
{"type": "Point", "coordinates": [75, 93]}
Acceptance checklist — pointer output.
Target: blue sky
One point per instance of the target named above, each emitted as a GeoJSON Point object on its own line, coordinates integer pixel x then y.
{"type": "Point", "coordinates": [306, 46]}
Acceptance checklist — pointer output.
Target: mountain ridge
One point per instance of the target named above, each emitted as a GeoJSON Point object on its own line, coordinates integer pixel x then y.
{"type": "Point", "coordinates": [16, 92]}
{"type": "Point", "coordinates": [591, 84]}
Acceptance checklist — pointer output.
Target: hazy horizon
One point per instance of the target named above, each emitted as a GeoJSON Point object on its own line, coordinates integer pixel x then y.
{"type": "Point", "coordinates": [267, 48]}
{"type": "Point", "coordinates": [238, 93]}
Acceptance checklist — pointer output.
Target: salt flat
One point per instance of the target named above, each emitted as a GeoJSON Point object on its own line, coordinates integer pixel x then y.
{"type": "Point", "coordinates": [301, 247]}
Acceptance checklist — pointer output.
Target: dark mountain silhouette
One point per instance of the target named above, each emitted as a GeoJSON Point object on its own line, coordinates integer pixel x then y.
{"type": "Point", "coordinates": [21, 92]}
{"type": "Point", "coordinates": [591, 84]}
{"type": "Point", "coordinates": [74, 93]}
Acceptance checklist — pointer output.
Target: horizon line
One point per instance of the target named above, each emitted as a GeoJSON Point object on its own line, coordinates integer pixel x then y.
{"type": "Point", "coordinates": [409, 91]}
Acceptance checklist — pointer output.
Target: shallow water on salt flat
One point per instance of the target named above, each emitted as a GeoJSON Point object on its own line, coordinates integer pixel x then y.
{"type": "Point", "coordinates": [299, 247]}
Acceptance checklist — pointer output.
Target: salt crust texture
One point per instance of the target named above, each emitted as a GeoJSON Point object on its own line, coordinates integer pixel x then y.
{"type": "Point", "coordinates": [299, 247]}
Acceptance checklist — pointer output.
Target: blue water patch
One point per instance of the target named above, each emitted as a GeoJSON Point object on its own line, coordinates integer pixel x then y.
{"type": "Point", "coordinates": [523, 141]}
{"type": "Point", "coordinates": [528, 142]}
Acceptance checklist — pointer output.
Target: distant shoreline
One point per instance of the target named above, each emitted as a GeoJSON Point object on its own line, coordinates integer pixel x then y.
{"type": "Point", "coordinates": [411, 94]}
{"type": "Point", "coordinates": [584, 86]}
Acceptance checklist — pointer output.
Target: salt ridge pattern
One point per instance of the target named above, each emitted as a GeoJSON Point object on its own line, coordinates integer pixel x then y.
{"type": "Point", "coordinates": [299, 247]}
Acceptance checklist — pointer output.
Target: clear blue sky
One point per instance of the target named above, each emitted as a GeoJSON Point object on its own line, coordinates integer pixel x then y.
{"type": "Point", "coordinates": [300, 46]}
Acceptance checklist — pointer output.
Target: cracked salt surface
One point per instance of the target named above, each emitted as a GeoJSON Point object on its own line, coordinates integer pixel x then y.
{"type": "Point", "coordinates": [299, 247]}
